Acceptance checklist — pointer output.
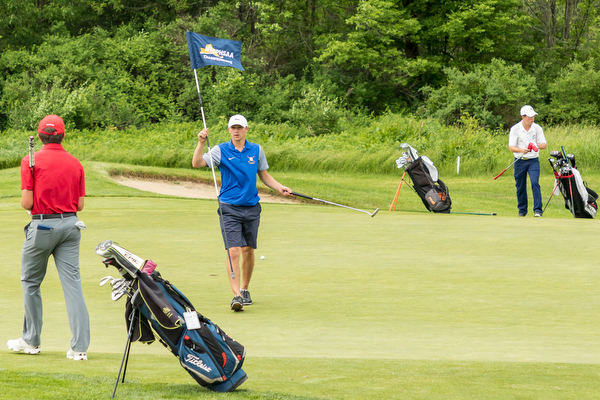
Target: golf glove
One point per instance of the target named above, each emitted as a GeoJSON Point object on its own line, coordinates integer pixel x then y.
{"type": "Point", "coordinates": [80, 225]}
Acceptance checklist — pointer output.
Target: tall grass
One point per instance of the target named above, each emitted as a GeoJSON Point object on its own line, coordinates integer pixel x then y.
{"type": "Point", "coordinates": [365, 145]}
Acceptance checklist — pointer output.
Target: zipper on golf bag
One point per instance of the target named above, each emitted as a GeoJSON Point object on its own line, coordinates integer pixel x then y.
{"type": "Point", "coordinates": [236, 349]}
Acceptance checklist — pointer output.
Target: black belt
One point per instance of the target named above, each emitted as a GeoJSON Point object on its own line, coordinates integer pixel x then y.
{"type": "Point", "coordinates": [50, 216]}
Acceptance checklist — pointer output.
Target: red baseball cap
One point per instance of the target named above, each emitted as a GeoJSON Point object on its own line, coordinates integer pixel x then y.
{"type": "Point", "coordinates": [52, 121]}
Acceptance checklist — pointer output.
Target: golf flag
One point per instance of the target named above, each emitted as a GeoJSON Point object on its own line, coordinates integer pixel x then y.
{"type": "Point", "coordinates": [206, 50]}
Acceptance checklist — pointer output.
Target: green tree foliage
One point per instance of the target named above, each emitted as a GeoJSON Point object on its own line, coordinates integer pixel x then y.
{"type": "Point", "coordinates": [576, 94]}
{"type": "Point", "coordinates": [309, 63]}
{"type": "Point", "coordinates": [492, 93]}
{"type": "Point", "coordinates": [96, 79]}
{"type": "Point", "coordinates": [398, 45]}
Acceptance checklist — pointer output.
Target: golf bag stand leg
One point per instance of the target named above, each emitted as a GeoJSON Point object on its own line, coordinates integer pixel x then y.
{"type": "Point", "coordinates": [395, 201]}
{"type": "Point", "coordinates": [125, 353]}
{"type": "Point", "coordinates": [550, 198]}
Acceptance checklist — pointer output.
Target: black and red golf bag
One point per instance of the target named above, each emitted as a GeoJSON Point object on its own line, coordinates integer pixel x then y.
{"type": "Point", "coordinates": [579, 199]}
{"type": "Point", "coordinates": [433, 192]}
{"type": "Point", "coordinates": [155, 307]}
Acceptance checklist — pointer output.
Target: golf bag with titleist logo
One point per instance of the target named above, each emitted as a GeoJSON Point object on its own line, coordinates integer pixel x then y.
{"type": "Point", "coordinates": [433, 192]}
{"type": "Point", "coordinates": [155, 307]}
{"type": "Point", "coordinates": [579, 199]}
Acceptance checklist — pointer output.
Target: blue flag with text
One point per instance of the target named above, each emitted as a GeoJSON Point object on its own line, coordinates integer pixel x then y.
{"type": "Point", "coordinates": [206, 50]}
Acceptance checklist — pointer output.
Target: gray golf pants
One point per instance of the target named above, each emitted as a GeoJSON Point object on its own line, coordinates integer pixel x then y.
{"type": "Point", "coordinates": [58, 237]}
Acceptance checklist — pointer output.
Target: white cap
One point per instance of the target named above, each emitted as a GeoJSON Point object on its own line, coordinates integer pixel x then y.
{"type": "Point", "coordinates": [238, 120]}
{"type": "Point", "coordinates": [528, 110]}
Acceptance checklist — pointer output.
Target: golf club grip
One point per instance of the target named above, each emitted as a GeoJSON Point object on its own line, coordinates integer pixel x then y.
{"type": "Point", "coordinates": [500, 174]}
{"type": "Point", "coordinates": [302, 195]}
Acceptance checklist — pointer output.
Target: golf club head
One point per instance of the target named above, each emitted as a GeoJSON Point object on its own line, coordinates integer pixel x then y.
{"type": "Point", "coordinates": [103, 249]}
{"type": "Point", "coordinates": [374, 213]}
{"type": "Point", "coordinates": [555, 154]}
{"type": "Point", "coordinates": [118, 284]}
{"type": "Point", "coordinates": [106, 279]}
{"type": "Point", "coordinates": [117, 295]}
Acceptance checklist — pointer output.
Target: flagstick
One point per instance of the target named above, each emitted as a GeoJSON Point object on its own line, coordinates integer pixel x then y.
{"type": "Point", "coordinates": [212, 166]}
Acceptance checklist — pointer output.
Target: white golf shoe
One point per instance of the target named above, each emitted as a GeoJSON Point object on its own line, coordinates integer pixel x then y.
{"type": "Point", "coordinates": [21, 345]}
{"type": "Point", "coordinates": [76, 355]}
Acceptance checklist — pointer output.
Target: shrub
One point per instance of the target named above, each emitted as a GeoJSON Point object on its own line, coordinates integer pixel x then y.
{"type": "Point", "coordinates": [575, 95]}
{"type": "Point", "coordinates": [492, 93]}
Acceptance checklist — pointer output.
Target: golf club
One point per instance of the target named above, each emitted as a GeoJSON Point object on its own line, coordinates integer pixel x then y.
{"type": "Point", "coordinates": [117, 284]}
{"type": "Point", "coordinates": [106, 279]}
{"type": "Point", "coordinates": [123, 288]}
{"type": "Point", "coordinates": [117, 295]}
{"type": "Point", "coordinates": [335, 204]}
{"type": "Point", "coordinates": [472, 213]}
{"type": "Point", "coordinates": [511, 164]}
{"type": "Point", "coordinates": [555, 154]}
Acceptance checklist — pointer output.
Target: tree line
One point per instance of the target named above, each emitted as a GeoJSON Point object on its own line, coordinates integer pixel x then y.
{"type": "Point", "coordinates": [309, 63]}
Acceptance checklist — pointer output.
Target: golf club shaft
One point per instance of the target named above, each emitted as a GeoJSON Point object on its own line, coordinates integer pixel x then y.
{"type": "Point", "coordinates": [334, 204]}
{"type": "Point", "coordinates": [472, 213]}
{"type": "Point", "coordinates": [511, 164]}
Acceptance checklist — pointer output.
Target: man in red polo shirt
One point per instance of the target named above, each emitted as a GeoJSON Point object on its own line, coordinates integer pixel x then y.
{"type": "Point", "coordinates": [53, 191]}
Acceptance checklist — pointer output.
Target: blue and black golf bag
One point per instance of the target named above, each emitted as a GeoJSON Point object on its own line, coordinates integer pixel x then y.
{"type": "Point", "coordinates": [155, 307]}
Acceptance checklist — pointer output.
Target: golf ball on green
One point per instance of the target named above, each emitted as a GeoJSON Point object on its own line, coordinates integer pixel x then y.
{"type": "Point", "coordinates": [262, 257]}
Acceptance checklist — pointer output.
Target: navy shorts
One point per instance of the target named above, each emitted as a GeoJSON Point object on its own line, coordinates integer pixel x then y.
{"type": "Point", "coordinates": [241, 225]}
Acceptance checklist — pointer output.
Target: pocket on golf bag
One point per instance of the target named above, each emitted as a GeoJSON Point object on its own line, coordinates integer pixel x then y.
{"type": "Point", "coordinates": [229, 353]}
{"type": "Point", "coordinates": [198, 361]}
{"type": "Point", "coordinates": [436, 199]}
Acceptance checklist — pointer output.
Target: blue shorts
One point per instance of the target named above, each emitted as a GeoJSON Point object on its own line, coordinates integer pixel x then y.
{"type": "Point", "coordinates": [241, 225]}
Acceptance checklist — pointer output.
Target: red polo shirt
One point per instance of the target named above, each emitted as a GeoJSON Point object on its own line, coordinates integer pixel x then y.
{"type": "Point", "coordinates": [59, 180]}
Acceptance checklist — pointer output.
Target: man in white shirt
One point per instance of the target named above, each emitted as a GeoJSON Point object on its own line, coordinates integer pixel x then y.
{"type": "Point", "coordinates": [525, 140]}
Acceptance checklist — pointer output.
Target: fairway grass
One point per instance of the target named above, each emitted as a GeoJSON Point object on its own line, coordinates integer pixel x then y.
{"type": "Point", "coordinates": [406, 305]}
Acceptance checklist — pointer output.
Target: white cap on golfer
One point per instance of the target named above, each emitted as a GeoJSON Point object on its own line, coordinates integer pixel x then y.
{"type": "Point", "coordinates": [238, 120]}
{"type": "Point", "coordinates": [528, 110]}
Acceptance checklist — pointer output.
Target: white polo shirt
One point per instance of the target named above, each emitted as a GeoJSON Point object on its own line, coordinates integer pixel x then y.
{"type": "Point", "coordinates": [519, 137]}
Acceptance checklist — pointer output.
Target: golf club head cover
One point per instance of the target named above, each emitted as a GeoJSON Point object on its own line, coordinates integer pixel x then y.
{"type": "Point", "coordinates": [149, 267]}
{"type": "Point", "coordinates": [532, 147]}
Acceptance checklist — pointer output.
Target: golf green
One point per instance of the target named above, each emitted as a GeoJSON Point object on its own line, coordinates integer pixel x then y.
{"type": "Point", "coordinates": [400, 288]}
{"type": "Point", "coordinates": [340, 284]}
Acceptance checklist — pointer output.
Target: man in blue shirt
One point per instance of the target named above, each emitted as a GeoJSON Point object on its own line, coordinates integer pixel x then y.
{"type": "Point", "coordinates": [239, 162]}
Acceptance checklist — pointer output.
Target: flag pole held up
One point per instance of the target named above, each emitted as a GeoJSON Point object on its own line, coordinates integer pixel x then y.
{"type": "Point", "coordinates": [206, 50]}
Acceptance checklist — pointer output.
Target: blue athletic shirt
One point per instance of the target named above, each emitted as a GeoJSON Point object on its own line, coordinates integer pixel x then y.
{"type": "Point", "coordinates": [238, 171]}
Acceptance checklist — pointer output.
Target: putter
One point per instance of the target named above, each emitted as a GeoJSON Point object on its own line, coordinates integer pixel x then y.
{"type": "Point", "coordinates": [335, 204]}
